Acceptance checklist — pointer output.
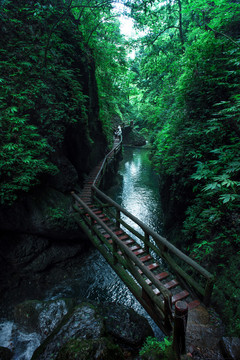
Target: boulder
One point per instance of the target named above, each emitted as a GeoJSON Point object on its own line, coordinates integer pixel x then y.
{"type": "Point", "coordinates": [66, 178]}
{"type": "Point", "coordinates": [125, 325]}
{"type": "Point", "coordinates": [99, 331]}
{"type": "Point", "coordinates": [101, 348]}
{"type": "Point", "coordinates": [230, 348]}
{"type": "Point", "coordinates": [42, 317]}
{"type": "Point", "coordinates": [45, 212]}
{"type": "Point", "coordinates": [132, 137]}
{"type": "Point", "coordinates": [83, 323]}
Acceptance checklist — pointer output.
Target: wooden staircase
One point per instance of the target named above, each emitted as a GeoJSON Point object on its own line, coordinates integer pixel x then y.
{"type": "Point", "coordinates": [143, 259]}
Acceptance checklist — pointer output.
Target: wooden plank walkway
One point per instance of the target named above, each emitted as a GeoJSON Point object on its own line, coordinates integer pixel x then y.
{"type": "Point", "coordinates": [111, 235]}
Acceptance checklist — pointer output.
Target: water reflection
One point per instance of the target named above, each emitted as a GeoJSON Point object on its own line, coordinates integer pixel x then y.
{"type": "Point", "coordinates": [137, 189]}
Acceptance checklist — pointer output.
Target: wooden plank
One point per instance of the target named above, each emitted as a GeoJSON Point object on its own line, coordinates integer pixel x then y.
{"type": "Point", "coordinates": [107, 236]}
{"type": "Point", "coordinates": [135, 247]}
{"type": "Point", "coordinates": [156, 291]}
{"type": "Point", "coordinates": [145, 258]}
{"type": "Point", "coordinates": [182, 295]}
{"type": "Point", "coordinates": [129, 241]}
{"type": "Point", "coordinates": [153, 266]}
{"type": "Point", "coordinates": [123, 237]}
{"type": "Point", "coordinates": [97, 212]}
{"type": "Point", "coordinates": [139, 252]}
{"type": "Point", "coordinates": [160, 277]}
{"type": "Point", "coordinates": [105, 219]}
{"type": "Point", "coordinates": [171, 284]}
{"type": "Point", "coordinates": [118, 232]}
{"type": "Point", "coordinates": [150, 267]}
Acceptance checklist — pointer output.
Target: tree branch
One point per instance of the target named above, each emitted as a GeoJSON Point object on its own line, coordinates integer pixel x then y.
{"type": "Point", "coordinates": [100, 22]}
{"type": "Point", "coordinates": [221, 33]}
{"type": "Point", "coordinates": [163, 31]}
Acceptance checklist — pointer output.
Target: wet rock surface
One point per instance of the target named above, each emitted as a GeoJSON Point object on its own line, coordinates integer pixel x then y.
{"type": "Point", "coordinates": [230, 348]}
{"type": "Point", "coordinates": [125, 324]}
{"type": "Point", "coordinates": [204, 332]}
{"type": "Point", "coordinates": [84, 323]}
{"type": "Point", "coordinates": [42, 317]}
{"type": "Point", "coordinates": [17, 284]}
{"type": "Point", "coordinates": [132, 137]}
{"type": "Point", "coordinates": [88, 331]}
{"type": "Point", "coordinates": [102, 348]}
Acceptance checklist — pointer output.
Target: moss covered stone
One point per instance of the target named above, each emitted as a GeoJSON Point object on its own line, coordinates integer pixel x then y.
{"type": "Point", "coordinates": [102, 348]}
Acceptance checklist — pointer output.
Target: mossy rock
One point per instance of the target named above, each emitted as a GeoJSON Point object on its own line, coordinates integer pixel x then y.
{"type": "Point", "coordinates": [42, 316]}
{"type": "Point", "coordinates": [125, 325]}
{"type": "Point", "coordinates": [101, 348]}
{"type": "Point", "coordinates": [82, 323]}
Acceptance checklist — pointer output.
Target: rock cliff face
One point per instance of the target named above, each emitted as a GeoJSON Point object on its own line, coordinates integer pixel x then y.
{"type": "Point", "coordinates": [38, 230]}
{"type": "Point", "coordinates": [132, 137]}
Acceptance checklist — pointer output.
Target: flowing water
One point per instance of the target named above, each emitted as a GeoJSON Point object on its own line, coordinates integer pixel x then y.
{"type": "Point", "coordinates": [136, 189]}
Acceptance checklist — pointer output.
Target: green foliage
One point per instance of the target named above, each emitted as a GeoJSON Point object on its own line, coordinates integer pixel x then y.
{"type": "Point", "coordinates": [187, 73]}
{"type": "Point", "coordinates": [101, 30]}
{"type": "Point", "coordinates": [59, 217]}
{"type": "Point", "coordinates": [157, 349]}
{"type": "Point", "coordinates": [41, 92]}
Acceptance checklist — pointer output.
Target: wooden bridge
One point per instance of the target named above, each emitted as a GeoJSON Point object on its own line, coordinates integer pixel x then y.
{"type": "Point", "coordinates": [155, 271]}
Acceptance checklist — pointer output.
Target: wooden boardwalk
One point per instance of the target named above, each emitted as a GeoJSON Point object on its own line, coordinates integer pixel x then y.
{"type": "Point", "coordinates": [148, 264]}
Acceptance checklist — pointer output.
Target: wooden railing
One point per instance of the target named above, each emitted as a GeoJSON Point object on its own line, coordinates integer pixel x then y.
{"type": "Point", "coordinates": [110, 156]}
{"type": "Point", "coordinates": [202, 282]}
{"type": "Point", "coordinates": [120, 257]}
{"type": "Point", "coordinates": [126, 264]}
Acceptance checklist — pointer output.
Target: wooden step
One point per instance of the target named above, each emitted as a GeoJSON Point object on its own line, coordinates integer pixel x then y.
{"type": "Point", "coordinates": [105, 219]}
{"type": "Point", "coordinates": [153, 266]}
{"type": "Point", "coordinates": [150, 267]}
{"type": "Point", "coordinates": [156, 291]}
{"type": "Point", "coordinates": [139, 252]}
{"type": "Point", "coordinates": [171, 284]}
{"type": "Point", "coordinates": [145, 258]}
{"type": "Point", "coordinates": [160, 277]}
{"type": "Point", "coordinates": [118, 232]}
{"type": "Point", "coordinates": [135, 247]}
{"type": "Point", "coordinates": [97, 212]}
{"type": "Point", "coordinates": [182, 295]}
{"type": "Point", "coordinates": [129, 241]}
{"type": "Point", "coordinates": [101, 216]}
{"type": "Point", "coordinates": [107, 236]}
{"type": "Point", "coordinates": [123, 237]}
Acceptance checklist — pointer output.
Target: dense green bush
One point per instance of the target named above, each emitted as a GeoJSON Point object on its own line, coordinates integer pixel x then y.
{"type": "Point", "coordinates": [188, 70]}
{"type": "Point", "coordinates": [41, 91]}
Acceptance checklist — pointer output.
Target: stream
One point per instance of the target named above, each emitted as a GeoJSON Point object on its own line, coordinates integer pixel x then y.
{"type": "Point", "coordinates": [136, 189]}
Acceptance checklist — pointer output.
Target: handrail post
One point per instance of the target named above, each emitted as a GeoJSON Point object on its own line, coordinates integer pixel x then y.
{"type": "Point", "coordinates": [180, 328]}
{"type": "Point", "coordinates": [115, 249]}
{"type": "Point", "coordinates": [167, 312]}
{"type": "Point", "coordinates": [118, 217]}
{"type": "Point", "coordinates": [92, 225]}
{"type": "Point", "coordinates": [92, 193]}
{"type": "Point", "coordinates": [146, 241]}
{"type": "Point", "coordinates": [208, 291]}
